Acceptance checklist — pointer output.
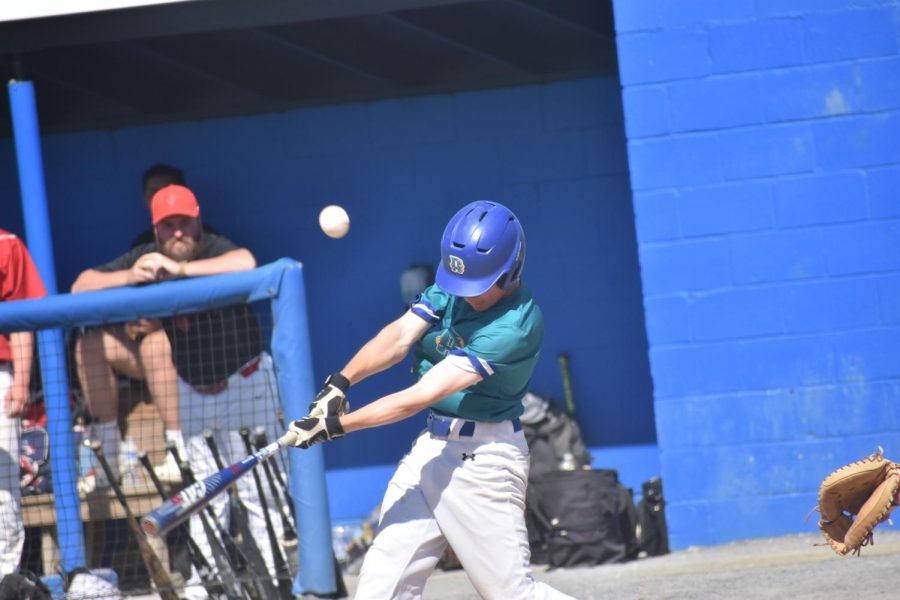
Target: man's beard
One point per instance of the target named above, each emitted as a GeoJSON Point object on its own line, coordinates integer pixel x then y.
{"type": "Point", "coordinates": [187, 249]}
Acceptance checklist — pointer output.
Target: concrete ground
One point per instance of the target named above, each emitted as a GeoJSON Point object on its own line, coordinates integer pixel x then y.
{"type": "Point", "coordinates": [773, 568]}
{"type": "Point", "coordinates": [789, 567]}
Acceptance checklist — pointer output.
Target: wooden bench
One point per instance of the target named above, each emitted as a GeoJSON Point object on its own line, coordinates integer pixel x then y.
{"type": "Point", "coordinates": [39, 511]}
{"type": "Point", "coordinates": [144, 425]}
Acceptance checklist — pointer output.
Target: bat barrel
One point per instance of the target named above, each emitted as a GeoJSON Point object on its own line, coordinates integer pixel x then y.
{"type": "Point", "coordinates": [188, 501]}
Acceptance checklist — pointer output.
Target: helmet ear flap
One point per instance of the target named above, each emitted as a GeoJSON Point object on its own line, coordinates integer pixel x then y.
{"type": "Point", "coordinates": [512, 276]}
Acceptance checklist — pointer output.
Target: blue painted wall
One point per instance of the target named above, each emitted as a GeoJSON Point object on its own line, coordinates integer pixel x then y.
{"type": "Point", "coordinates": [554, 153]}
{"type": "Point", "coordinates": [764, 157]}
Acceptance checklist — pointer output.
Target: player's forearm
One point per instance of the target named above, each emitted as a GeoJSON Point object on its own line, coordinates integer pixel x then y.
{"type": "Point", "coordinates": [91, 280]}
{"type": "Point", "coordinates": [239, 259]}
{"type": "Point", "coordinates": [22, 345]}
{"type": "Point", "coordinates": [381, 352]}
{"type": "Point", "coordinates": [388, 409]}
{"type": "Point", "coordinates": [441, 381]}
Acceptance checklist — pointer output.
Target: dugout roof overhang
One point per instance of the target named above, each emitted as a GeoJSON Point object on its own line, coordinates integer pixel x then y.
{"type": "Point", "coordinates": [209, 58]}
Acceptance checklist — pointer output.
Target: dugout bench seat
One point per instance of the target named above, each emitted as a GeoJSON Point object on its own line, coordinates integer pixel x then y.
{"type": "Point", "coordinates": [143, 423]}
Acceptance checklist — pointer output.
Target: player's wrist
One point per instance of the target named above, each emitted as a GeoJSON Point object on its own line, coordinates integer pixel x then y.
{"type": "Point", "coordinates": [334, 428]}
{"type": "Point", "coordinates": [339, 381]}
{"type": "Point", "coordinates": [182, 268]}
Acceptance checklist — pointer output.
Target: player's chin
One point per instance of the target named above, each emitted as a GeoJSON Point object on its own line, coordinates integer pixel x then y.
{"type": "Point", "coordinates": [477, 304]}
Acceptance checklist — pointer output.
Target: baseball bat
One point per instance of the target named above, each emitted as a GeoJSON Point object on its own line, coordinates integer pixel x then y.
{"type": "Point", "coordinates": [197, 559]}
{"type": "Point", "coordinates": [281, 569]}
{"type": "Point", "coordinates": [262, 440]}
{"type": "Point", "coordinates": [290, 534]}
{"type": "Point", "coordinates": [341, 587]}
{"type": "Point", "coordinates": [239, 516]}
{"type": "Point", "coordinates": [567, 382]}
{"type": "Point", "coordinates": [252, 558]}
{"type": "Point", "coordinates": [197, 495]}
{"type": "Point", "coordinates": [157, 572]}
{"type": "Point", "coordinates": [240, 522]}
{"type": "Point", "coordinates": [226, 552]}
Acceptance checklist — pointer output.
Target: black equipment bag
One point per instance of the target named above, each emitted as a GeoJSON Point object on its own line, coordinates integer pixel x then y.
{"type": "Point", "coordinates": [653, 534]}
{"type": "Point", "coordinates": [23, 585]}
{"type": "Point", "coordinates": [580, 517]}
{"type": "Point", "coordinates": [553, 437]}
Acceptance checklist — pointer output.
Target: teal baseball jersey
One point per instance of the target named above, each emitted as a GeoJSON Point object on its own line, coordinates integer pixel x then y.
{"type": "Point", "coordinates": [501, 344]}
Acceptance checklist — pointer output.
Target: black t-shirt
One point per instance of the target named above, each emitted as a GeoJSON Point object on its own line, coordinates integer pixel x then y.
{"type": "Point", "coordinates": [148, 237]}
{"type": "Point", "coordinates": [209, 346]}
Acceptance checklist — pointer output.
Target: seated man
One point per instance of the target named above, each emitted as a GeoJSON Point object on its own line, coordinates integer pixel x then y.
{"type": "Point", "coordinates": [206, 370]}
{"type": "Point", "coordinates": [154, 179]}
{"type": "Point", "coordinates": [155, 367]}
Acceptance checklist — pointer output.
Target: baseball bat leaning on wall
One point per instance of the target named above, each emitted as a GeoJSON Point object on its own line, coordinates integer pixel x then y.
{"type": "Point", "coordinates": [197, 559]}
{"type": "Point", "coordinates": [194, 497]}
{"type": "Point", "coordinates": [262, 440]}
{"type": "Point", "coordinates": [251, 561]}
{"type": "Point", "coordinates": [210, 439]}
{"type": "Point", "coordinates": [281, 569]}
{"type": "Point", "coordinates": [224, 545]}
{"type": "Point", "coordinates": [567, 382]}
{"type": "Point", "coordinates": [155, 568]}
{"type": "Point", "coordinates": [289, 538]}
{"type": "Point", "coordinates": [341, 589]}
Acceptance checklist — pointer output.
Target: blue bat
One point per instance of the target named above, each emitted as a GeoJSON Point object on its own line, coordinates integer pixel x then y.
{"type": "Point", "coordinates": [188, 501]}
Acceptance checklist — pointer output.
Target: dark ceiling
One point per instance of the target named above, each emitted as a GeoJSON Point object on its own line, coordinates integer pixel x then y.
{"type": "Point", "coordinates": [213, 58]}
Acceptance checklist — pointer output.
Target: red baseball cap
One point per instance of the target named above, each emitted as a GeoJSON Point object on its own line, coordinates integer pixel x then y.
{"type": "Point", "coordinates": [173, 200]}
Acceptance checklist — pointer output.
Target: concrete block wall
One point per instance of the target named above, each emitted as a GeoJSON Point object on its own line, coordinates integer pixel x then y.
{"type": "Point", "coordinates": [765, 163]}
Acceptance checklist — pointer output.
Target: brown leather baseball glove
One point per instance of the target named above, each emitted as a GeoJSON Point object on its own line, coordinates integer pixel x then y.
{"type": "Point", "coordinates": [854, 499]}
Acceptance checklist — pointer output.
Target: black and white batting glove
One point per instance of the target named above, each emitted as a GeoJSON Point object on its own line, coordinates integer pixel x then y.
{"type": "Point", "coordinates": [315, 430]}
{"type": "Point", "coordinates": [331, 401]}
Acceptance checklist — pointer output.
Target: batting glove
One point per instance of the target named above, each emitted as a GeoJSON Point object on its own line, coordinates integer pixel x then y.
{"type": "Point", "coordinates": [315, 430]}
{"type": "Point", "coordinates": [331, 401]}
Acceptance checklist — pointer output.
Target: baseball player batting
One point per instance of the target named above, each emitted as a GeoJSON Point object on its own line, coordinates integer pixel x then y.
{"type": "Point", "coordinates": [477, 333]}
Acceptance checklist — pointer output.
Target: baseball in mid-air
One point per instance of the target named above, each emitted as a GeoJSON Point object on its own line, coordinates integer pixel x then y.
{"type": "Point", "coordinates": [334, 221]}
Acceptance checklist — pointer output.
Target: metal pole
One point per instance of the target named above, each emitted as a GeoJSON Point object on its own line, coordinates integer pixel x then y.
{"type": "Point", "coordinates": [51, 349]}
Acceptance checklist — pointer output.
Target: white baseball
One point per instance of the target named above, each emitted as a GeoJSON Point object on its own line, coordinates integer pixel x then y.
{"type": "Point", "coordinates": [334, 221]}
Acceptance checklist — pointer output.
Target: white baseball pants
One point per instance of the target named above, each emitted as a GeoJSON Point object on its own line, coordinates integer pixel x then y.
{"type": "Point", "coordinates": [468, 491]}
{"type": "Point", "coordinates": [12, 531]}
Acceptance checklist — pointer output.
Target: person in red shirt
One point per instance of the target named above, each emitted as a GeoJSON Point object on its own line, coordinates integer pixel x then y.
{"type": "Point", "coordinates": [19, 280]}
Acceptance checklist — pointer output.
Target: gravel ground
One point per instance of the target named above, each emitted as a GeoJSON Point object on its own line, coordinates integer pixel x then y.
{"type": "Point", "coordinates": [789, 567]}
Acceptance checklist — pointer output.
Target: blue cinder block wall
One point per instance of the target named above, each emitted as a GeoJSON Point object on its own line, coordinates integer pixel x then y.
{"type": "Point", "coordinates": [765, 162]}
{"type": "Point", "coordinates": [555, 153]}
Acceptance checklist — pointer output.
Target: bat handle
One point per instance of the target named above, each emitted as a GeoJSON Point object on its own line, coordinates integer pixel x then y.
{"type": "Point", "coordinates": [287, 439]}
{"type": "Point", "coordinates": [567, 382]}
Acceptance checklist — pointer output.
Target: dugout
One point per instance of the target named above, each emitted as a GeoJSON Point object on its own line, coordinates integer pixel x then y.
{"type": "Point", "coordinates": [707, 191]}
{"type": "Point", "coordinates": [397, 139]}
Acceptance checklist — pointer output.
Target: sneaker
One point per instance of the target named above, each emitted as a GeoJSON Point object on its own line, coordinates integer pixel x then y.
{"type": "Point", "coordinates": [168, 472]}
{"type": "Point", "coordinates": [88, 585]}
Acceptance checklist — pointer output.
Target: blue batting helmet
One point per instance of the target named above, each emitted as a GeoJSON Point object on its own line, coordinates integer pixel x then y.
{"type": "Point", "coordinates": [482, 245]}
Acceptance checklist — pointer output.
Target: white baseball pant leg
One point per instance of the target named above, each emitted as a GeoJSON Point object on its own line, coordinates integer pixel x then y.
{"type": "Point", "coordinates": [12, 531]}
{"type": "Point", "coordinates": [476, 503]}
{"type": "Point", "coordinates": [247, 402]}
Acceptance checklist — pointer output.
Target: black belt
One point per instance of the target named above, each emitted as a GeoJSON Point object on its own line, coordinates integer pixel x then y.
{"type": "Point", "coordinates": [441, 426]}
